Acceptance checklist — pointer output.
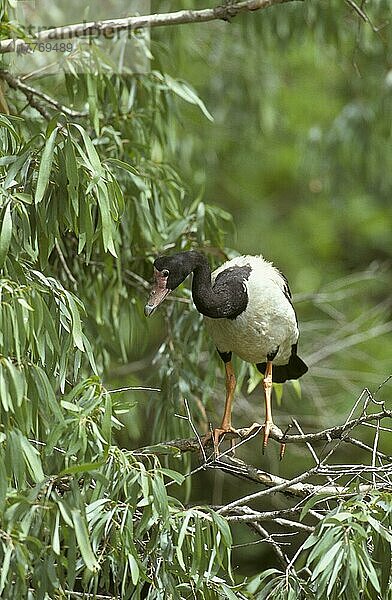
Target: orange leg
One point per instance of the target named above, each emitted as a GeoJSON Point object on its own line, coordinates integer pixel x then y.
{"type": "Point", "coordinates": [268, 424]}
{"type": "Point", "coordinates": [226, 421]}
{"type": "Point", "coordinates": [267, 386]}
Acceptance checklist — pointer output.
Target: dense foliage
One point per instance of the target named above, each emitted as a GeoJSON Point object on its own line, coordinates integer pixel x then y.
{"type": "Point", "coordinates": [89, 195]}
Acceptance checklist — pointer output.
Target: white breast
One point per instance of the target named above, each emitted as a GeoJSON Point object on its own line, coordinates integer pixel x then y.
{"type": "Point", "coordinates": [268, 322]}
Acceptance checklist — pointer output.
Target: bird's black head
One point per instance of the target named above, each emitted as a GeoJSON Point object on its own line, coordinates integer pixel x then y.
{"type": "Point", "coordinates": [169, 273]}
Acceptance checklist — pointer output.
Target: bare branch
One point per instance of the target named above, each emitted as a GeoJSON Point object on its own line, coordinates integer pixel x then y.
{"type": "Point", "coordinates": [292, 487]}
{"type": "Point", "coordinates": [32, 94]}
{"type": "Point", "coordinates": [332, 433]}
{"type": "Point", "coordinates": [333, 481]}
{"type": "Point", "coordinates": [284, 561]}
{"type": "Point", "coordinates": [246, 515]}
{"type": "Point", "coordinates": [95, 28]}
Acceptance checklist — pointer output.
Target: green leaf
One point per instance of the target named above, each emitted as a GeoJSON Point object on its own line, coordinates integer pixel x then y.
{"type": "Point", "coordinates": [107, 419]}
{"type": "Point", "coordinates": [134, 569]}
{"type": "Point", "coordinates": [179, 478]}
{"type": "Point", "coordinates": [106, 220]}
{"type": "Point", "coordinates": [3, 479]}
{"type": "Point", "coordinates": [223, 527]}
{"type": "Point", "coordinates": [7, 554]}
{"type": "Point", "coordinates": [181, 537]}
{"type": "Point", "coordinates": [33, 460]}
{"type": "Point", "coordinates": [82, 537]}
{"type": "Point", "coordinates": [381, 530]}
{"type": "Point", "coordinates": [56, 534]}
{"type": "Point", "coordinates": [370, 571]}
{"type": "Point", "coordinates": [17, 380]}
{"type": "Point", "coordinates": [76, 323]}
{"type": "Point", "coordinates": [5, 398]}
{"type": "Point", "coordinates": [229, 593]}
{"type": "Point", "coordinates": [336, 568]}
{"type": "Point", "coordinates": [123, 165]}
{"type": "Point", "coordinates": [184, 91]}
{"type": "Point", "coordinates": [161, 449]}
{"type": "Point", "coordinates": [83, 468]}
{"type": "Point", "coordinates": [92, 154]}
{"type": "Point", "coordinates": [25, 304]}
{"type": "Point", "coordinates": [45, 167]}
{"type": "Point", "coordinates": [5, 234]}
{"type": "Point", "coordinates": [326, 559]}
{"type": "Point", "coordinates": [71, 167]}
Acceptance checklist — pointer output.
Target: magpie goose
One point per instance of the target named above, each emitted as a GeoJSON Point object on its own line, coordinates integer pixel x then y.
{"type": "Point", "coordinates": [247, 310]}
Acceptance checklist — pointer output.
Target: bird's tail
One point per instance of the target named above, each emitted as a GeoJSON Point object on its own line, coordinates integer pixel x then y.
{"type": "Point", "coordinates": [294, 369]}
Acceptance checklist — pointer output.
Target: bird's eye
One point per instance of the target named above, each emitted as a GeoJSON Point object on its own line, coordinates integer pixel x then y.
{"type": "Point", "coordinates": [165, 273]}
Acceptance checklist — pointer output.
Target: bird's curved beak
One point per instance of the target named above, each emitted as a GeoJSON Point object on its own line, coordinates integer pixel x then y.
{"type": "Point", "coordinates": [158, 293]}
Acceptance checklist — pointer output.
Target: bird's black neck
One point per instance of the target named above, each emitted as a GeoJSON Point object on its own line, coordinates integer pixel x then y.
{"type": "Point", "coordinates": [225, 300]}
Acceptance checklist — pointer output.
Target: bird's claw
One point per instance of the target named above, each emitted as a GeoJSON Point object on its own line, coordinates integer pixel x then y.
{"type": "Point", "coordinates": [270, 427]}
{"type": "Point", "coordinates": [215, 436]}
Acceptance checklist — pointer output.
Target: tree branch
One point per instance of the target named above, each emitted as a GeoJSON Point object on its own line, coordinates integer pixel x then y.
{"type": "Point", "coordinates": [268, 538]}
{"type": "Point", "coordinates": [32, 93]}
{"type": "Point", "coordinates": [96, 28]}
{"type": "Point", "coordinates": [335, 478]}
{"type": "Point", "coordinates": [340, 432]}
{"type": "Point", "coordinates": [295, 487]}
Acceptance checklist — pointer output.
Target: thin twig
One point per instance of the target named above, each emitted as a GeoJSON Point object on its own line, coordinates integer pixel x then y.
{"type": "Point", "coordinates": [270, 540]}
{"type": "Point", "coordinates": [133, 388]}
{"type": "Point", "coordinates": [188, 412]}
{"type": "Point", "coordinates": [310, 448]}
{"type": "Point", "coordinates": [64, 263]}
{"type": "Point", "coordinates": [30, 92]}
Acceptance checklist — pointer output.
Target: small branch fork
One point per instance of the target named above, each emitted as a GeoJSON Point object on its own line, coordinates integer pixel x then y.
{"type": "Point", "coordinates": [322, 485]}
{"type": "Point", "coordinates": [38, 99]}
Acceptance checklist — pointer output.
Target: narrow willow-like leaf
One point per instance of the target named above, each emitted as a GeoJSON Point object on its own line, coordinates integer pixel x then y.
{"type": "Point", "coordinates": [7, 554]}
{"type": "Point", "coordinates": [92, 101]}
{"type": "Point", "coordinates": [184, 91]}
{"type": "Point", "coordinates": [45, 167]}
{"type": "Point", "coordinates": [76, 322]}
{"type": "Point", "coordinates": [72, 174]}
{"type": "Point", "coordinates": [229, 593]}
{"type": "Point", "coordinates": [72, 556]}
{"type": "Point", "coordinates": [326, 559]}
{"type": "Point", "coordinates": [134, 567]}
{"type": "Point", "coordinates": [91, 152]}
{"type": "Point", "coordinates": [107, 223]}
{"type": "Point", "coordinates": [17, 380]}
{"type": "Point", "coordinates": [32, 458]}
{"type": "Point", "coordinates": [46, 393]}
{"type": "Point", "coordinates": [3, 482]}
{"type": "Point", "coordinates": [381, 530]}
{"type": "Point", "coordinates": [5, 234]}
{"type": "Point", "coordinates": [181, 537]}
{"type": "Point", "coordinates": [5, 398]}
{"type": "Point", "coordinates": [56, 534]}
{"type": "Point", "coordinates": [107, 420]}
{"type": "Point", "coordinates": [85, 467]}
{"type": "Point", "coordinates": [179, 478]}
{"type": "Point", "coordinates": [223, 527]}
{"type": "Point", "coordinates": [82, 537]}
{"type": "Point", "coordinates": [15, 169]}
{"type": "Point", "coordinates": [370, 571]}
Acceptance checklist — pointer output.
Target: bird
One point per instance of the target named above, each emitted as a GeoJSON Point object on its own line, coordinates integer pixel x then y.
{"type": "Point", "coordinates": [248, 311]}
